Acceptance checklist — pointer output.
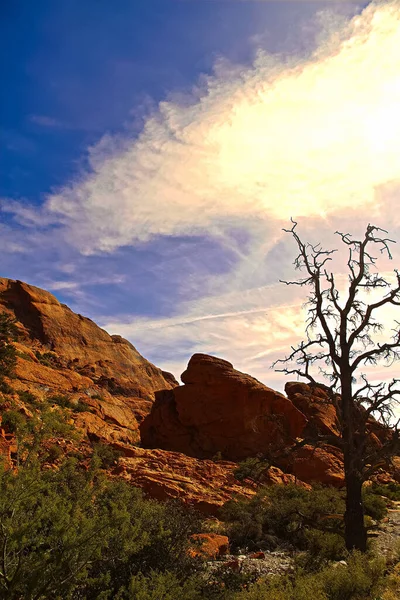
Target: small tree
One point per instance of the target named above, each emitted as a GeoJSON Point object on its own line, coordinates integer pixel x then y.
{"type": "Point", "coordinates": [8, 333]}
{"type": "Point", "coordinates": [340, 332]}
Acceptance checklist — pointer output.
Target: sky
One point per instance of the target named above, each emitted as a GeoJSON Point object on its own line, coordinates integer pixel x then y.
{"type": "Point", "coordinates": [152, 151]}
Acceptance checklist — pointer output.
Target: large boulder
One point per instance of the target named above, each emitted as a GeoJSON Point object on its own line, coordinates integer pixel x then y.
{"type": "Point", "coordinates": [221, 411]}
{"type": "Point", "coordinates": [315, 403]}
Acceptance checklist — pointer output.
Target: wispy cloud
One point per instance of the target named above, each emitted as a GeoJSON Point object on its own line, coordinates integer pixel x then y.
{"type": "Point", "coordinates": [273, 140]}
{"type": "Point", "coordinates": [47, 121]}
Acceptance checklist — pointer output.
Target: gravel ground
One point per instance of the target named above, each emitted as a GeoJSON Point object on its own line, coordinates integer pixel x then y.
{"type": "Point", "coordinates": [385, 538]}
{"type": "Point", "coordinates": [272, 563]}
{"type": "Point", "coordinates": [387, 535]}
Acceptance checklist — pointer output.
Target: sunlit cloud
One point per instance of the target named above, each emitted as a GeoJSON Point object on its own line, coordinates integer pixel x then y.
{"type": "Point", "coordinates": [299, 138]}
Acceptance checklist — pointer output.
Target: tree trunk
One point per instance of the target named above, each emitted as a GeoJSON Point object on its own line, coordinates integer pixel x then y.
{"type": "Point", "coordinates": [355, 532]}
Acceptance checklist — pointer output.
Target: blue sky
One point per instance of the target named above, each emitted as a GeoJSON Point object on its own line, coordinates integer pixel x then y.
{"type": "Point", "coordinates": [151, 152]}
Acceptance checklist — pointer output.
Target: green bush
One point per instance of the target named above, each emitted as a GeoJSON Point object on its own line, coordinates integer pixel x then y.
{"type": "Point", "coordinates": [374, 505]}
{"type": "Point", "coordinates": [54, 453]}
{"type": "Point", "coordinates": [163, 586]}
{"type": "Point", "coordinates": [389, 490]}
{"type": "Point", "coordinates": [13, 421]}
{"type": "Point", "coordinates": [48, 359]}
{"type": "Point", "coordinates": [5, 388]}
{"type": "Point", "coordinates": [361, 578]}
{"type": "Point", "coordinates": [107, 456]}
{"type": "Point", "coordinates": [252, 468]}
{"type": "Point", "coordinates": [286, 513]}
{"type": "Point", "coordinates": [27, 397]}
{"type": "Point", "coordinates": [8, 354]}
{"type": "Point", "coordinates": [70, 533]}
{"type": "Point", "coordinates": [61, 400]}
{"type": "Point", "coordinates": [323, 546]}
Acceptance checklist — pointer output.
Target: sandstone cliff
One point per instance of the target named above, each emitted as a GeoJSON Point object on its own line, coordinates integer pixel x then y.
{"type": "Point", "coordinates": [62, 352]}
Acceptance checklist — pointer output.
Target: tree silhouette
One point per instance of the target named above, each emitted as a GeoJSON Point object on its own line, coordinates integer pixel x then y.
{"type": "Point", "coordinates": [340, 331]}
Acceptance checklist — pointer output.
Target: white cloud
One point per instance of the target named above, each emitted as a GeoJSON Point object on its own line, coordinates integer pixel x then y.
{"type": "Point", "coordinates": [269, 141]}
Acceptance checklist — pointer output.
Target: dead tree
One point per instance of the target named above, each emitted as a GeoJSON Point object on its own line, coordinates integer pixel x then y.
{"type": "Point", "coordinates": [340, 340]}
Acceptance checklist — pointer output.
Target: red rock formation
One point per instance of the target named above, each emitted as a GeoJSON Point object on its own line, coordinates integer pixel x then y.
{"type": "Point", "coordinates": [60, 352]}
{"type": "Point", "coordinates": [204, 484]}
{"type": "Point", "coordinates": [209, 545]}
{"type": "Point", "coordinates": [315, 404]}
{"type": "Point", "coordinates": [315, 464]}
{"type": "Point", "coordinates": [222, 411]}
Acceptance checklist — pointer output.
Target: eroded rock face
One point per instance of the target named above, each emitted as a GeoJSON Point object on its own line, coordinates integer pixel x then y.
{"type": "Point", "coordinates": [203, 484]}
{"type": "Point", "coordinates": [316, 464]}
{"type": "Point", "coordinates": [61, 352]}
{"type": "Point", "coordinates": [315, 404]}
{"type": "Point", "coordinates": [221, 411]}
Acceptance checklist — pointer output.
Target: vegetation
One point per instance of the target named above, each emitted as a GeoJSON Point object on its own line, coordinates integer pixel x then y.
{"type": "Point", "coordinates": [8, 355]}
{"type": "Point", "coordinates": [292, 514]}
{"type": "Point", "coordinates": [69, 532]}
{"type": "Point", "coordinates": [389, 490]}
{"type": "Point", "coordinates": [340, 336]}
{"type": "Point", "coordinates": [361, 578]}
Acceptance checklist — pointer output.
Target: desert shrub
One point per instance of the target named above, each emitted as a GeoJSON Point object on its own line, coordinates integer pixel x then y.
{"type": "Point", "coordinates": [8, 354]}
{"type": "Point", "coordinates": [13, 421]}
{"type": "Point", "coordinates": [284, 512]}
{"type": "Point", "coordinates": [389, 490]}
{"type": "Point", "coordinates": [251, 468]}
{"type": "Point", "coordinates": [81, 407]}
{"type": "Point", "coordinates": [48, 359]}
{"type": "Point", "coordinates": [107, 456]}
{"type": "Point", "coordinates": [392, 585]}
{"type": "Point", "coordinates": [27, 397]}
{"type": "Point", "coordinates": [5, 388]}
{"type": "Point", "coordinates": [61, 400]}
{"type": "Point", "coordinates": [361, 578]}
{"type": "Point", "coordinates": [374, 505]}
{"type": "Point", "coordinates": [24, 355]}
{"type": "Point", "coordinates": [70, 533]}
{"type": "Point", "coordinates": [54, 452]}
{"type": "Point", "coordinates": [300, 587]}
{"type": "Point", "coordinates": [162, 586]}
{"type": "Point", "coordinates": [323, 546]}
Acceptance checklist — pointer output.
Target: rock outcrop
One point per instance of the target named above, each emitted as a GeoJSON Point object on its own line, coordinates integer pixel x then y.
{"type": "Point", "coordinates": [61, 352]}
{"type": "Point", "coordinates": [221, 411]}
{"type": "Point", "coordinates": [203, 484]}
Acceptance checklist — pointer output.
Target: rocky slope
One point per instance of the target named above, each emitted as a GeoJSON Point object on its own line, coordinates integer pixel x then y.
{"type": "Point", "coordinates": [60, 352]}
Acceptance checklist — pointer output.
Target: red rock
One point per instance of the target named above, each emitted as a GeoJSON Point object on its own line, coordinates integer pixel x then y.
{"type": "Point", "coordinates": [204, 484]}
{"type": "Point", "coordinates": [209, 545]}
{"type": "Point", "coordinates": [233, 565]}
{"type": "Point", "coordinates": [60, 352]}
{"type": "Point", "coordinates": [78, 340]}
{"type": "Point", "coordinates": [220, 411]}
{"type": "Point", "coordinates": [316, 464]}
{"type": "Point", "coordinates": [275, 476]}
{"type": "Point", "coordinates": [315, 404]}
